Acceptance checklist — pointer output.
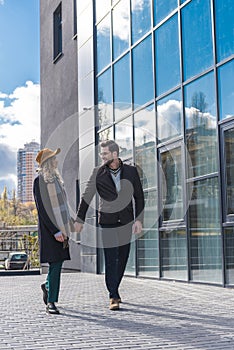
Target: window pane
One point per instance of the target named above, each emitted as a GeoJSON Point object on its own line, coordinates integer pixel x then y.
{"type": "Point", "coordinates": [147, 251]}
{"type": "Point", "coordinates": [204, 216]}
{"type": "Point", "coordinates": [143, 87]}
{"type": "Point", "coordinates": [201, 126]}
{"type": "Point", "coordinates": [197, 37]}
{"type": "Point", "coordinates": [141, 18]}
{"type": "Point", "coordinates": [224, 14]}
{"type": "Point", "coordinates": [167, 56]}
{"type": "Point", "coordinates": [124, 138]}
{"type": "Point", "coordinates": [104, 99]}
{"type": "Point", "coordinates": [102, 7]}
{"type": "Point", "coordinates": [122, 87]}
{"type": "Point", "coordinates": [103, 44]}
{"type": "Point", "coordinates": [229, 166]}
{"type": "Point", "coordinates": [171, 185]}
{"type": "Point", "coordinates": [225, 86]}
{"type": "Point", "coordinates": [169, 111]}
{"type": "Point", "coordinates": [174, 254]}
{"type": "Point", "coordinates": [162, 8]}
{"type": "Point", "coordinates": [229, 249]}
{"type": "Point", "coordinates": [145, 148]}
{"type": "Point", "coordinates": [121, 28]}
{"type": "Point", "coordinates": [57, 26]}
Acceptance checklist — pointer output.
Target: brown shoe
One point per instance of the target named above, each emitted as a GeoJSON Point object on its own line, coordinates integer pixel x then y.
{"type": "Point", "coordinates": [114, 304]}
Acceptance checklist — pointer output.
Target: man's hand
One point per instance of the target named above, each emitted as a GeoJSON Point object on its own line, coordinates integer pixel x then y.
{"type": "Point", "coordinates": [137, 227]}
{"type": "Point", "coordinates": [78, 226]}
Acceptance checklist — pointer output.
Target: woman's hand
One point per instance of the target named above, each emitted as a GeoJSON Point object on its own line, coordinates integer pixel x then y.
{"type": "Point", "coordinates": [59, 237]}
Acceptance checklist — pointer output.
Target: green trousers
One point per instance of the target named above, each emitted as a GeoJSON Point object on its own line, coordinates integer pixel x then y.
{"type": "Point", "coordinates": [53, 281]}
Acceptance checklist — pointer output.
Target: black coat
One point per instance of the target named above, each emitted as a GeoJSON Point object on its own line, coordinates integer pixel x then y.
{"type": "Point", "coordinates": [114, 207]}
{"type": "Point", "coordinates": [50, 249]}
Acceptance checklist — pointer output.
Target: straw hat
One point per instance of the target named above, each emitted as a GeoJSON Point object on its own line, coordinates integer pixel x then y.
{"type": "Point", "coordinates": [45, 154]}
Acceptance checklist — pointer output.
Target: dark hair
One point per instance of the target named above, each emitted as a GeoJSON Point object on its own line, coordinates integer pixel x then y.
{"type": "Point", "coordinates": [112, 146]}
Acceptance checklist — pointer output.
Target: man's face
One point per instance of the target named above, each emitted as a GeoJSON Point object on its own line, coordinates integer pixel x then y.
{"type": "Point", "coordinates": [106, 155]}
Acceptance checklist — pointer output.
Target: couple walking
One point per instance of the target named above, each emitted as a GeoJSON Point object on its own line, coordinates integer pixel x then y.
{"type": "Point", "coordinates": [121, 205]}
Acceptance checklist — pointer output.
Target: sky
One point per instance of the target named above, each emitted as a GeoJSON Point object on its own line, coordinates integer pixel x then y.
{"type": "Point", "coordinates": [19, 83]}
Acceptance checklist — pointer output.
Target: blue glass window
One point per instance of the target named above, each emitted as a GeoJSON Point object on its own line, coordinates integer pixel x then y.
{"type": "Point", "coordinates": [225, 86]}
{"type": "Point", "coordinates": [169, 111]}
{"type": "Point", "coordinates": [121, 28]}
{"type": "Point", "coordinates": [197, 37]}
{"type": "Point", "coordinates": [141, 18]}
{"type": "Point", "coordinates": [143, 86]}
{"type": "Point", "coordinates": [103, 44]}
{"type": "Point", "coordinates": [162, 9]}
{"type": "Point", "coordinates": [122, 87]}
{"type": "Point", "coordinates": [167, 56]}
{"type": "Point", "coordinates": [124, 138]}
{"type": "Point", "coordinates": [104, 99]}
{"type": "Point", "coordinates": [201, 126]}
{"type": "Point", "coordinates": [224, 14]}
{"type": "Point", "coordinates": [102, 7]}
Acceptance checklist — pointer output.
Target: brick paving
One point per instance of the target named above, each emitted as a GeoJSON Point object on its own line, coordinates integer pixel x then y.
{"type": "Point", "coordinates": [154, 315]}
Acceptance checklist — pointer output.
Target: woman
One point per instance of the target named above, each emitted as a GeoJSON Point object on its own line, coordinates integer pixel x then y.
{"type": "Point", "coordinates": [54, 223]}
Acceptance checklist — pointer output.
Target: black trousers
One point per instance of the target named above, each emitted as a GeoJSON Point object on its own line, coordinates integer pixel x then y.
{"type": "Point", "coordinates": [116, 242]}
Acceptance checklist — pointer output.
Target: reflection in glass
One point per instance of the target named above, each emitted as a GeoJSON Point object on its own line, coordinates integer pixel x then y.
{"type": "Point", "coordinates": [121, 28]}
{"type": "Point", "coordinates": [131, 264]}
{"type": "Point", "coordinates": [145, 147]}
{"type": "Point", "coordinates": [141, 18]}
{"type": "Point", "coordinates": [225, 86]}
{"type": "Point", "coordinates": [167, 56]}
{"type": "Point", "coordinates": [147, 247]}
{"type": "Point", "coordinates": [124, 138]}
{"type": "Point", "coordinates": [102, 7]}
{"type": "Point", "coordinates": [104, 99]}
{"type": "Point", "coordinates": [173, 245]}
{"type": "Point", "coordinates": [162, 9]}
{"type": "Point", "coordinates": [169, 112]}
{"type": "Point", "coordinates": [103, 44]}
{"type": "Point", "coordinates": [143, 86]}
{"type": "Point", "coordinates": [205, 242]}
{"type": "Point", "coordinates": [201, 124]}
{"type": "Point", "coordinates": [171, 185]}
{"type": "Point", "coordinates": [196, 37]}
{"type": "Point", "coordinates": [229, 249]}
{"type": "Point", "coordinates": [122, 87]}
{"type": "Point", "coordinates": [229, 166]}
{"type": "Point", "coordinates": [224, 14]}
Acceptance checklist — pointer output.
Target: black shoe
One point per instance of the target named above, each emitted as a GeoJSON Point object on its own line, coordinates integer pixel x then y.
{"type": "Point", "coordinates": [52, 309]}
{"type": "Point", "coordinates": [45, 293]}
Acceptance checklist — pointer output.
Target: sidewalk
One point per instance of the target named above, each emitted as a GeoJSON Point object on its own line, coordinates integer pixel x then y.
{"type": "Point", "coordinates": [154, 315]}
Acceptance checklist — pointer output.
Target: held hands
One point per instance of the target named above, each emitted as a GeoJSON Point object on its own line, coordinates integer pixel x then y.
{"type": "Point", "coordinates": [137, 227]}
{"type": "Point", "coordinates": [78, 226]}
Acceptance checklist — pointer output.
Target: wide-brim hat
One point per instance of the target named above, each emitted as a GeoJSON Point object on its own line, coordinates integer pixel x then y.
{"type": "Point", "coordinates": [45, 154]}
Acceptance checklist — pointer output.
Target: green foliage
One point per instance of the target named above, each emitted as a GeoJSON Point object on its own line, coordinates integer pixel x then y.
{"type": "Point", "coordinates": [15, 213]}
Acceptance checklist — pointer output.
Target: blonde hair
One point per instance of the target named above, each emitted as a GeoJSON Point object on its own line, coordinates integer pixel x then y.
{"type": "Point", "coordinates": [49, 172]}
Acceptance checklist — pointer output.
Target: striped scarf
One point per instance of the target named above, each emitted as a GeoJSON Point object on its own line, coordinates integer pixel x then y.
{"type": "Point", "coordinates": [60, 208]}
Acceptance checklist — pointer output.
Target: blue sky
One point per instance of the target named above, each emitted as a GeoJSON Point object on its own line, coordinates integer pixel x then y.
{"type": "Point", "coordinates": [19, 82]}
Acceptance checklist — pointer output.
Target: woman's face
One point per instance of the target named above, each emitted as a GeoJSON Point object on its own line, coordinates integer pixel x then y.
{"type": "Point", "coordinates": [54, 162]}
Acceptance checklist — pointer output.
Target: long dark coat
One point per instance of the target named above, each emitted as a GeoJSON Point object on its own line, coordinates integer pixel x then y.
{"type": "Point", "coordinates": [50, 249]}
{"type": "Point", "coordinates": [114, 207]}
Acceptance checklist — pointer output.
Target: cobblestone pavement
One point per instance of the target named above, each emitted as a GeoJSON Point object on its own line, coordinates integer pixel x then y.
{"type": "Point", "coordinates": [154, 315]}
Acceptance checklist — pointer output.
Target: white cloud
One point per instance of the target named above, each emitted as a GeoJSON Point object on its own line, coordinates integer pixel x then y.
{"type": "Point", "coordinates": [19, 124]}
{"type": "Point", "coordinates": [21, 118]}
{"type": "Point", "coordinates": [1, 2]}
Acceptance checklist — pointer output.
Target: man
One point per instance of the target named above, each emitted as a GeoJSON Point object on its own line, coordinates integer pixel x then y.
{"type": "Point", "coordinates": [121, 205]}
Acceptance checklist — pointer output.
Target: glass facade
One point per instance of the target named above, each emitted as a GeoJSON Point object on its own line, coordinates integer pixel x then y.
{"type": "Point", "coordinates": [164, 75]}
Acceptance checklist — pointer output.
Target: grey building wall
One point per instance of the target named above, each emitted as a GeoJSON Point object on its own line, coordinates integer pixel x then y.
{"type": "Point", "coordinates": [59, 101]}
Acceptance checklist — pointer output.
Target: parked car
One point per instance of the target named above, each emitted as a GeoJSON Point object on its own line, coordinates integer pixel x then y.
{"type": "Point", "coordinates": [16, 261]}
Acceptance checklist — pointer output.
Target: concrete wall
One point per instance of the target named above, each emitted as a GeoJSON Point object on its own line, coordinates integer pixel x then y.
{"type": "Point", "coordinates": [86, 127]}
{"type": "Point", "coordinates": [59, 101]}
